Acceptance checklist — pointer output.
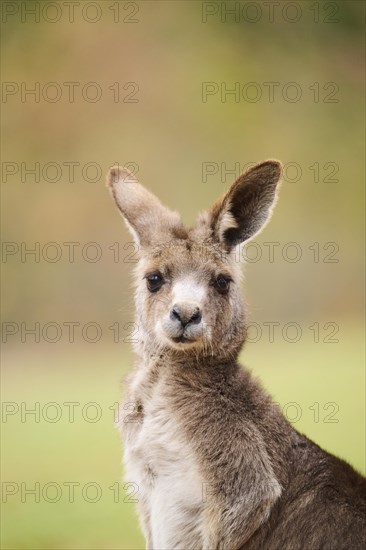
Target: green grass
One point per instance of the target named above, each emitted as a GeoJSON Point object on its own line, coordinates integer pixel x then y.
{"type": "Point", "coordinates": [85, 452]}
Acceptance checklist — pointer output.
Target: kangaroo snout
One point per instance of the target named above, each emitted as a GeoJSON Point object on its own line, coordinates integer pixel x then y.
{"type": "Point", "coordinates": [186, 314]}
{"type": "Point", "coordinates": [183, 323]}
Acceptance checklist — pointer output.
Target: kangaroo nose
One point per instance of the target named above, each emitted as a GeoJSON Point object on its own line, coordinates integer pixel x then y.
{"type": "Point", "coordinates": [186, 315]}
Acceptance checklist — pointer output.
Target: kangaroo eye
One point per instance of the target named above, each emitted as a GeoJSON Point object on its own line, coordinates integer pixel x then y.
{"type": "Point", "coordinates": [222, 284]}
{"type": "Point", "coordinates": [154, 281]}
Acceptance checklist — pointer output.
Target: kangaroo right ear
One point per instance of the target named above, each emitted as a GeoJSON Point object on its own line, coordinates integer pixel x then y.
{"type": "Point", "coordinates": [149, 221]}
{"type": "Point", "coordinates": [247, 206]}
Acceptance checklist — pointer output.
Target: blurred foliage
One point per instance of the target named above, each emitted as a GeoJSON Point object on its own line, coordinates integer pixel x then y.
{"type": "Point", "coordinates": [169, 134]}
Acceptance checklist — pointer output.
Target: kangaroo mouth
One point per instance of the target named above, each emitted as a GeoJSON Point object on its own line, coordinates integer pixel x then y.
{"type": "Point", "coordinates": [182, 340]}
{"type": "Point", "coordinates": [183, 336]}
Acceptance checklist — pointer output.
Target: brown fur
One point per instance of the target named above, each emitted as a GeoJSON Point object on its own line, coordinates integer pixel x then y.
{"type": "Point", "coordinates": [264, 485]}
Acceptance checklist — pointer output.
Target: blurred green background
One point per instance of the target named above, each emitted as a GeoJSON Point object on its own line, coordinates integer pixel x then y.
{"type": "Point", "coordinates": [160, 57]}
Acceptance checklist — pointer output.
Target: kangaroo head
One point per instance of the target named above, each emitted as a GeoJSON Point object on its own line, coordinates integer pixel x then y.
{"type": "Point", "coordinates": [188, 298]}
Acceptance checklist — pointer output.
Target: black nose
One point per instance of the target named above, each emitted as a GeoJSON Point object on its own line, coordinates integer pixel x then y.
{"type": "Point", "coordinates": [186, 316]}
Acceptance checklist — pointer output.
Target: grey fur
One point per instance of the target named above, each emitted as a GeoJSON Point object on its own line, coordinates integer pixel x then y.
{"type": "Point", "coordinates": [217, 465]}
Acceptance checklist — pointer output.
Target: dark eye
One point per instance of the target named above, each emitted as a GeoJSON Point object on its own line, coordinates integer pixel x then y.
{"type": "Point", "coordinates": [154, 281]}
{"type": "Point", "coordinates": [222, 284]}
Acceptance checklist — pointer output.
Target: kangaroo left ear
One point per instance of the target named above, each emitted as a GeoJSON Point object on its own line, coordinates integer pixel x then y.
{"type": "Point", "coordinates": [149, 221]}
{"type": "Point", "coordinates": [247, 206]}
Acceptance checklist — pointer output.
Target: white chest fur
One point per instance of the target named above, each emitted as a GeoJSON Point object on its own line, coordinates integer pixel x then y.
{"type": "Point", "coordinates": [168, 483]}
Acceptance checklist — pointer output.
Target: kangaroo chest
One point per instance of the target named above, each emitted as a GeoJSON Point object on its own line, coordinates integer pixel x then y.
{"type": "Point", "coordinates": [161, 464]}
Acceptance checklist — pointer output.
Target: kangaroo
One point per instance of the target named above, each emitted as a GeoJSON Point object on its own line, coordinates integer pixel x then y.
{"type": "Point", "coordinates": [216, 464]}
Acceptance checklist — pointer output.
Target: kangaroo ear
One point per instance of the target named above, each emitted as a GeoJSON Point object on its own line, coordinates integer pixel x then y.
{"type": "Point", "coordinates": [247, 206]}
{"type": "Point", "coordinates": [148, 220]}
